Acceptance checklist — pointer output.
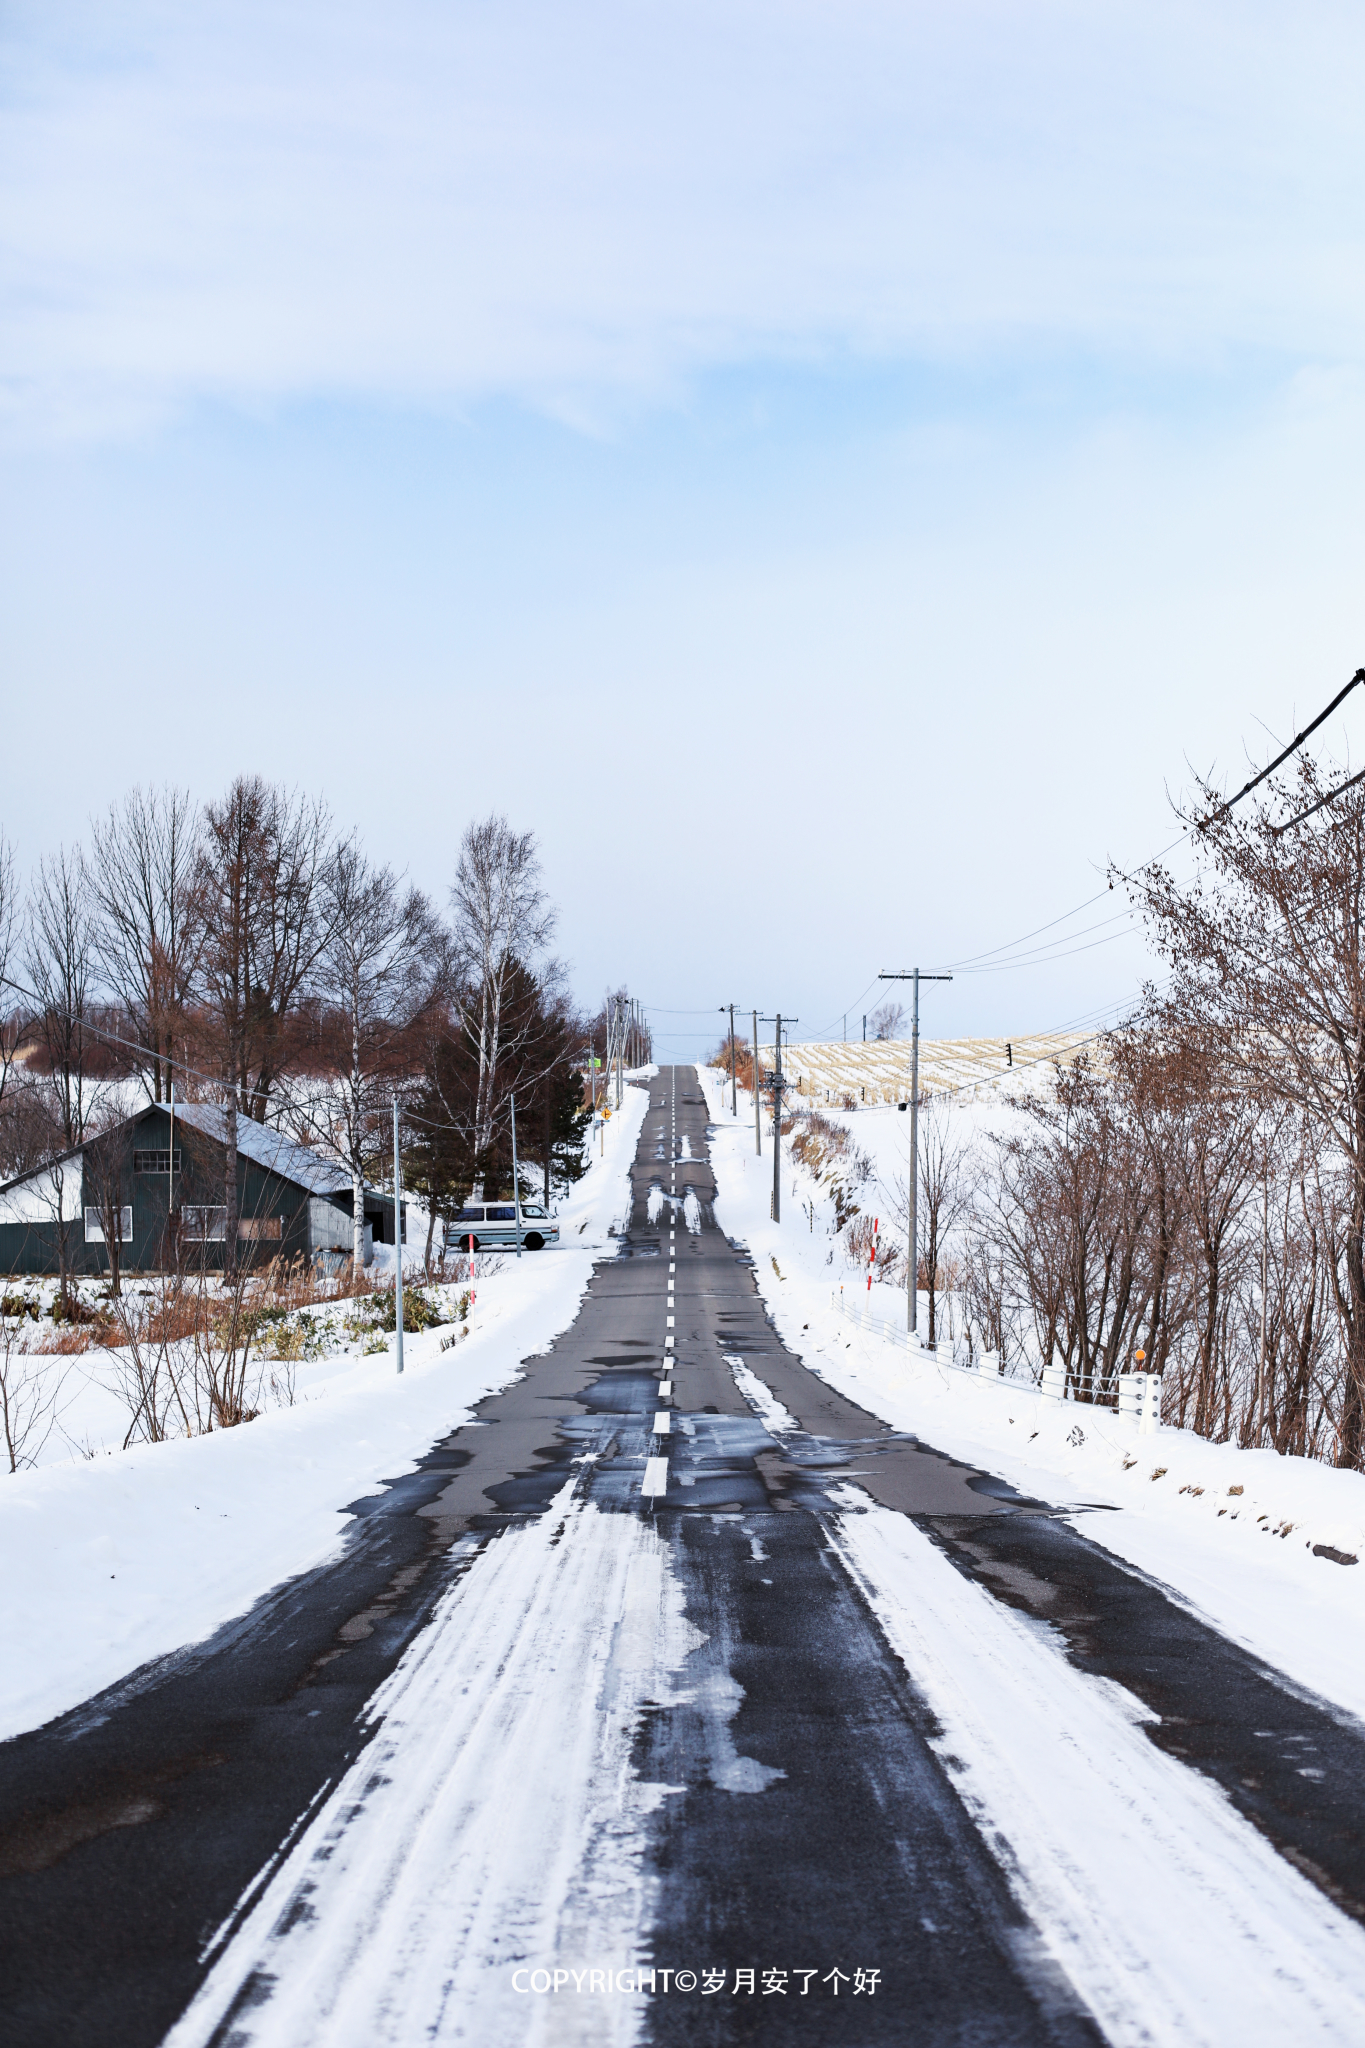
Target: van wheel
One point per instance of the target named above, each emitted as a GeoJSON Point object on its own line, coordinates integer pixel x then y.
{"type": "Point", "coordinates": [477, 1246]}
{"type": "Point", "coordinates": [534, 1241]}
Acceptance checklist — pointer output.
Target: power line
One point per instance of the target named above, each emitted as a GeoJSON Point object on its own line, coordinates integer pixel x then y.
{"type": "Point", "coordinates": [1297, 741]}
{"type": "Point", "coordinates": [1046, 959]}
{"type": "Point", "coordinates": [1298, 819]}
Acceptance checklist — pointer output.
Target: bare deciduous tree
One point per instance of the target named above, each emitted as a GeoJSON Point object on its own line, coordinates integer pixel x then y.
{"type": "Point", "coordinates": [947, 1186]}
{"type": "Point", "coordinates": [377, 972]}
{"type": "Point", "coordinates": [13, 1012]}
{"type": "Point", "coordinates": [262, 898]}
{"type": "Point", "coordinates": [60, 964]}
{"type": "Point", "coordinates": [502, 921]}
{"type": "Point", "coordinates": [30, 1393]}
{"type": "Point", "coordinates": [1266, 951]}
{"type": "Point", "coordinates": [142, 866]}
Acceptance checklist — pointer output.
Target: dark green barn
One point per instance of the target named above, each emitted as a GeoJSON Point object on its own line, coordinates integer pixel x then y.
{"type": "Point", "coordinates": [291, 1202]}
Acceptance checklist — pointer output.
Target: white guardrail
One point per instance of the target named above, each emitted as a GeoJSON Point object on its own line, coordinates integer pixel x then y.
{"type": "Point", "coordinates": [1139, 1392]}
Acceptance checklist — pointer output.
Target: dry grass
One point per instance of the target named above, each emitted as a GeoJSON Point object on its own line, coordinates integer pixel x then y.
{"type": "Point", "coordinates": [72, 1339]}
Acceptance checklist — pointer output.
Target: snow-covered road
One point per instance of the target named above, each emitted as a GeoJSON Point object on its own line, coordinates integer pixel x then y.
{"type": "Point", "coordinates": [733, 1714]}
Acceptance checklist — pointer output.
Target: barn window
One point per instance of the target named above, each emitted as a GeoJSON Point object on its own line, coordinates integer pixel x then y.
{"type": "Point", "coordinates": [203, 1222]}
{"type": "Point", "coordinates": [261, 1229]}
{"type": "Point", "coordinates": [157, 1162]}
{"type": "Point", "coordinates": [94, 1226]}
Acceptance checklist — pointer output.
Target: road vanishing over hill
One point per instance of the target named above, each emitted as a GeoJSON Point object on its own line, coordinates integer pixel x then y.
{"type": "Point", "coordinates": [608, 1725]}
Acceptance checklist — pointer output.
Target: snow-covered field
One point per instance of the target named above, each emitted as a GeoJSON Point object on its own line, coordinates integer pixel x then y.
{"type": "Point", "coordinates": [1231, 1531]}
{"type": "Point", "coordinates": [129, 1549]}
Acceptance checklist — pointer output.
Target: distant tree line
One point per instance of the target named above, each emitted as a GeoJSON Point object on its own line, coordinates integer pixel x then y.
{"type": "Point", "coordinates": [256, 956]}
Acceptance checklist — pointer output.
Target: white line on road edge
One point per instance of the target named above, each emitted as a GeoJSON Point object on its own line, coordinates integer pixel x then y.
{"type": "Point", "coordinates": [656, 1476]}
{"type": "Point", "coordinates": [662, 1424]}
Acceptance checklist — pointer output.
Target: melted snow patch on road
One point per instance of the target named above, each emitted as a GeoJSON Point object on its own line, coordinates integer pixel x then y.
{"type": "Point", "coordinates": [493, 1821]}
{"type": "Point", "coordinates": [1177, 1923]}
{"type": "Point", "coordinates": [761, 1399]}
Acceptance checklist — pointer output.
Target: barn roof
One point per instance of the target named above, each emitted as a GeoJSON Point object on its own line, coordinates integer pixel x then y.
{"type": "Point", "coordinates": [268, 1148]}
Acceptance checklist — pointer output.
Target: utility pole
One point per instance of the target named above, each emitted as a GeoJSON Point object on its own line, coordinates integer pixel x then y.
{"type": "Point", "coordinates": [775, 1208]}
{"type": "Point", "coordinates": [516, 1185]}
{"type": "Point", "coordinates": [170, 1184]}
{"type": "Point", "coordinates": [397, 1237]}
{"type": "Point", "coordinates": [547, 1148]}
{"type": "Point", "coordinates": [734, 1085]}
{"type": "Point", "coordinates": [912, 1277]}
{"type": "Point", "coordinates": [758, 1126]}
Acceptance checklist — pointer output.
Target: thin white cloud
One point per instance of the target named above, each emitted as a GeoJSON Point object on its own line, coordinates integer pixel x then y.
{"type": "Point", "coordinates": [587, 204]}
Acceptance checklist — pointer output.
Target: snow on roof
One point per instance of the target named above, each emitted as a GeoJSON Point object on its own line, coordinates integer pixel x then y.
{"type": "Point", "coordinates": [268, 1148]}
{"type": "Point", "coordinates": [271, 1149]}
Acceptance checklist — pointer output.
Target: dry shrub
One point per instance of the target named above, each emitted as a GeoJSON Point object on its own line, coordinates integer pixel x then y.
{"type": "Point", "coordinates": [744, 1062]}
{"type": "Point", "coordinates": [820, 1143]}
{"type": "Point", "coordinates": [179, 1313]}
{"type": "Point", "coordinates": [71, 1340]}
{"type": "Point", "coordinates": [828, 1152]}
{"type": "Point", "coordinates": [861, 1240]}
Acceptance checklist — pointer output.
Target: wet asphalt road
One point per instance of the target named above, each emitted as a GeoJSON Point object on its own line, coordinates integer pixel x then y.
{"type": "Point", "coordinates": [817, 1829]}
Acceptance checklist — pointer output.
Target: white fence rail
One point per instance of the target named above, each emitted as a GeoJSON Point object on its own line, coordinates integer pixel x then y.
{"type": "Point", "coordinates": [1139, 1401]}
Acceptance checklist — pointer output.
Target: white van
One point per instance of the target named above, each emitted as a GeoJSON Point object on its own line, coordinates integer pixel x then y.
{"type": "Point", "coordinates": [493, 1227]}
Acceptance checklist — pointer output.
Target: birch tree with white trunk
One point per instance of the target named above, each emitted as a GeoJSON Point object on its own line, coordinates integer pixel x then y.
{"type": "Point", "coordinates": [378, 971]}
{"type": "Point", "coordinates": [502, 918]}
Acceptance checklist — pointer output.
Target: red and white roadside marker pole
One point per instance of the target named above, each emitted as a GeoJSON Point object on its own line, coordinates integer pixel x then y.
{"type": "Point", "coordinates": [871, 1267]}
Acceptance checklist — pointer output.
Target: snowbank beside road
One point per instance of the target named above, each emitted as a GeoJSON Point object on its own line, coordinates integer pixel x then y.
{"type": "Point", "coordinates": [1231, 1531]}
{"type": "Point", "coordinates": [111, 1562]}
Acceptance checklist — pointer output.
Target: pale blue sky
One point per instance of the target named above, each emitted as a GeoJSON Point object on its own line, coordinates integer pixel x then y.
{"type": "Point", "coordinates": [827, 469]}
